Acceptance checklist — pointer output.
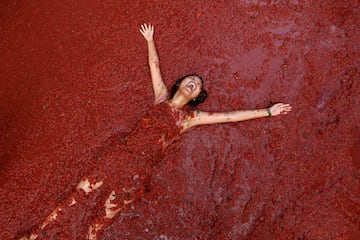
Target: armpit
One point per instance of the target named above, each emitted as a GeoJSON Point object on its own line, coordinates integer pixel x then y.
{"type": "Point", "coordinates": [161, 99]}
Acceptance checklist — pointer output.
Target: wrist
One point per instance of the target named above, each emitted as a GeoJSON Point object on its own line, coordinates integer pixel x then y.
{"type": "Point", "coordinates": [269, 112]}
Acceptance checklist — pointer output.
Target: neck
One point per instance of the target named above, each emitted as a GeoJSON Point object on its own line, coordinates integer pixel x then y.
{"type": "Point", "coordinates": [178, 101]}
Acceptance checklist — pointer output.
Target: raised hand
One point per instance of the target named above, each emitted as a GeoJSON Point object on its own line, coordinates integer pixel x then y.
{"type": "Point", "coordinates": [147, 31]}
{"type": "Point", "coordinates": [280, 108]}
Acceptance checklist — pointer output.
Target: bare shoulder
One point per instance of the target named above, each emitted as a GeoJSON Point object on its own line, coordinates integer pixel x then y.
{"type": "Point", "coordinates": [192, 118]}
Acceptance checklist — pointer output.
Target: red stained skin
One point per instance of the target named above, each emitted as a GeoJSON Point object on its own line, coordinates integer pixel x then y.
{"type": "Point", "coordinates": [75, 82]}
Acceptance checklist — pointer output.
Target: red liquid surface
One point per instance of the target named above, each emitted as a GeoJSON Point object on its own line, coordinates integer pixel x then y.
{"type": "Point", "coordinates": [74, 73]}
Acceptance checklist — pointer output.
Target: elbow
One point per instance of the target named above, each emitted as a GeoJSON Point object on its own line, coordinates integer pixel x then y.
{"type": "Point", "coordinates": [229, 118]}
{"type": "Point", "coordinates": [154, 63]}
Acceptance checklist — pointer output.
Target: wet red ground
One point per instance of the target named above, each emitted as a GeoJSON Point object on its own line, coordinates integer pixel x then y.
{"type": "Point", "coordinates": [75, 73]}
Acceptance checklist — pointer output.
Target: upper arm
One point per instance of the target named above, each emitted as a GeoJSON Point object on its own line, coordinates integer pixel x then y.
{"type": "Point", "coordinates": [160, 90]}
{"type": "Point", "coordinates": [201, 118]}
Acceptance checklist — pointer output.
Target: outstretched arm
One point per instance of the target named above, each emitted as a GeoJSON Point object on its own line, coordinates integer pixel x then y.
{"type": "Point", "coordinates": [201, 118]}
{"type": "Point", "coordinates": [160, 90]}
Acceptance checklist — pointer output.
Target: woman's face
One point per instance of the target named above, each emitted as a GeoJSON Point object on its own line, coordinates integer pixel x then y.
{"type": "Point", "coordinates": [191, 87]}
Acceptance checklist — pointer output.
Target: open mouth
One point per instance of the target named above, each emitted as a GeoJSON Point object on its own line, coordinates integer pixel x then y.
{"type": "Point", "coordinates": [191, 86]}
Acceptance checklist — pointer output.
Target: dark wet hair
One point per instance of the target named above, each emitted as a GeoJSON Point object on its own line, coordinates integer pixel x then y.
{"type": "Point", "coordinates": [196, 101]}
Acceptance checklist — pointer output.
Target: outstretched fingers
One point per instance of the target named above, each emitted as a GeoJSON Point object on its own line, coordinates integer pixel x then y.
{"type": "Point", "coordinates": [280, 108]}
{"type": "Point", "coordinates": [284, 108]}
{"type": "Point", "coordinates": [147, 31]}
{"type": "Point", "coordinates": [143, 28]}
